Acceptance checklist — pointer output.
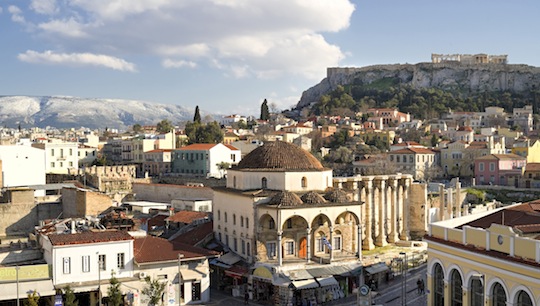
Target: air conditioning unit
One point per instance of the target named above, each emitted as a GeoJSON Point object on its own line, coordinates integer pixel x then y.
{"type": "Point", "coordinates": [142, 275]}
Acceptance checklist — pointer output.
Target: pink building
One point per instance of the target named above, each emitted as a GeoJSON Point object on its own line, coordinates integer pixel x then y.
{"type": "Point", "coordinates": [499, 169]}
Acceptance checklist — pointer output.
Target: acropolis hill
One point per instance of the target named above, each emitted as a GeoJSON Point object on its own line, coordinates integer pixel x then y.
{"type": "Point", "coordinates": [467, 73]}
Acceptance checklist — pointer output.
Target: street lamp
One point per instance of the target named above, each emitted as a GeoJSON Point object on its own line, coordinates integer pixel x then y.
{"type": "Point", "coordinates": [404, 266]}
{"type": "Point", "coordinates": [17, 277]}
{"type": "Point", "coordinates": [99, 278]}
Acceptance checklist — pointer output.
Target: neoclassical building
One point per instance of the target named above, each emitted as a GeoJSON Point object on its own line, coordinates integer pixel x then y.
{"type": "Point", "coordinates": [488, 259]}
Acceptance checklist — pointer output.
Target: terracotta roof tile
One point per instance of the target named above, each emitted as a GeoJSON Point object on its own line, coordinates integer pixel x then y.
{"type": "Point", "coordinates": [187, 216]}
{"type": "Point", "coordinates": [312, 198]}
{"type": "Point", "coordinates": [89, 237]}
{"type": "Point", "coordinates": [153, 249]}
{"type": "Point", "coordinates": [285, 198]}
{"type": "Point", "coordinates": [196, 235]}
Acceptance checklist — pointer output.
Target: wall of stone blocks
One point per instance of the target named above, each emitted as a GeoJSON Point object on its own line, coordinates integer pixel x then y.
{"type": "Point", "coordinates": [165, 193]}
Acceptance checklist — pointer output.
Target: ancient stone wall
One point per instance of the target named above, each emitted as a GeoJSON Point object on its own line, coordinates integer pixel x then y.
{"type": "Point", "coordinates": [418, 223]}
{"type": "Point", "coordinates": [165, 193]}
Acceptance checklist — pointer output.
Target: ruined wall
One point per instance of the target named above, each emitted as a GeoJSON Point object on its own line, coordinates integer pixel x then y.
{"type": "Point", "coordinates": [418, 210]}
{"type": "Point", "coordinates": [165, 193]}
{"type": "Point", "coordinates": [78, 203]}
{"type": "Point", "coordinates": [21, 214]}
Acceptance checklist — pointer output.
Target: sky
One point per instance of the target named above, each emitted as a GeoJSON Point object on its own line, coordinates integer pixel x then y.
{"type": "Point", "coordinates": [227, 56]}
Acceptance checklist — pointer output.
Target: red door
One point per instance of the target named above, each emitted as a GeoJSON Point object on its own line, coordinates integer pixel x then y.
{"type": "Point", "coordinates": [302, 252]}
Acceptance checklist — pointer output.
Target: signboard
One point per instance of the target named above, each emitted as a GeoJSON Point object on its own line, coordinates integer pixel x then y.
{"type": "Point", "coordinates": [58, 300]}
{"type": "Point", "coordinates": [25, 273]}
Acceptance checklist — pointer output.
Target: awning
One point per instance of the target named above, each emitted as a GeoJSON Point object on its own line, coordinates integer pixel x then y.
{"type": "Point", "coordinates": [263, 273]}
{"type": "Point", "coordinates": [331, 270]}
{"type": "Point", "coordinates": [305, 284]}
{"type": "Point", "coordinates": [327, 281]}
{"type": "Point", "coordinates": [377, 268]}
{"type": "Point", "coordinates": [192, 274]}
{"type": "Point", "coordinates": [216, 262]}
{"type": "Point", "coordinates": [230, 258]}
{"type": "Point", "coordinates": [236, 271]}
{"type": "Point", "coordinates": [299, 274]}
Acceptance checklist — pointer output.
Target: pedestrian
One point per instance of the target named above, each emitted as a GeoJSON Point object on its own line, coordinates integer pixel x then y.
{"type": "Point", "coordinates": [422, 286]}
{"type": "Point", "coordinates": [246, 298]}
{"type": "Point", "coordinates": [418, 286]}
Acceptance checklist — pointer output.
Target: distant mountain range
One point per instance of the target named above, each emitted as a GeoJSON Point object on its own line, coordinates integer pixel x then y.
{"type": "Point", "coordinates": [74, 112]}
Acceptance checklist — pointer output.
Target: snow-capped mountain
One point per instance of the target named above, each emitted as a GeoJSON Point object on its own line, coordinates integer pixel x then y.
{"type": "Point", "coordinates": [74, 112]}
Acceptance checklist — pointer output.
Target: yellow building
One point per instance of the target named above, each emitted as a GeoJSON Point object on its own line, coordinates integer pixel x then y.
{"type": "Point", "coordinates": [529, 149]}
{"type": "Point", "coordinates": [387, 136]}
{"type": "Point", "coordinates": [486, 259]}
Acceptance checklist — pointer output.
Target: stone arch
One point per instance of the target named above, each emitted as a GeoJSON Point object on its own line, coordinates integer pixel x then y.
{"type": "Point", "coordinates": [456, 287]}
{"type": "Point", "coordinates": [266, 221]}
{"type": "Point", "coordinates": [321, 220]}
{"type": "Point", "coordinates": [437, 274]}
{"type": "Point", "coordinates": [492, 284]}
{"type": "Point", "coordinates": [450, 270]}
{"type": "Point", "coordinates": [294, 222]}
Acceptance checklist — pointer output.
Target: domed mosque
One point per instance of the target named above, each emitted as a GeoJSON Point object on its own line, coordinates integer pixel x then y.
{"type": "Point", "coordinates": [281, 215]}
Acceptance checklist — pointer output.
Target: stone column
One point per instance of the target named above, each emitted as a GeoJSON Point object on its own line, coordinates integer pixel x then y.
{"type": "Point", "coordinates": [381, 237]}
{"type": "Point", "coordinates": [458, 199]}
{"type": "Point", "coordinates": [404, 235]}
{"type": "Point", "coordinates": [367, 243]}
{"type": "Point", "coordinates": [331, 241]}
{"type": "Point", "coordinates": [441, 202]}
{"type": "Point", "coordinates": [394, 211]}
{"type": "Point", "coordinates": [308, 245]}
{"type": "Point", "coordinates": [359, 241]}
{"type": "Point", "coordinates": [279, 248]}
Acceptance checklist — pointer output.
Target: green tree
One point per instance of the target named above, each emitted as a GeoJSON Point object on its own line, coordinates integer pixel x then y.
{"type": "Point", "coordinates": [154, 290]}
{"type": "Point", "coordinates": [164, 126]}
{"type": "Point", "coordinates": [137, 128]}
{"type": "Point", "coordinates": [197, 116]}
{"type": "Point", "coordinates": [208, 133]}
{"type": "Point", "coordinates": [223, 166]}
{"type": "Point", "coordinates": [265, 113]}
{"type": "Point", "coordinates": [32, 299]}
{"type": "Point", "coordinates": [69, 297]}
{"type": "Point", "coordinates": [115, 294]}
{"type": "Point", "coordinates": [434, 140]}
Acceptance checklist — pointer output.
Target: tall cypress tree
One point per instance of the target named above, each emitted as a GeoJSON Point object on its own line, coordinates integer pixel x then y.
{"type": "Point", "coordinates": [265, 114]}
{"type": "Point", "coordinates": [197, 117]}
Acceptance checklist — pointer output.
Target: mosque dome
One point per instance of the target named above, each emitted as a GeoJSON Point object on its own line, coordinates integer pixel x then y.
{"type": "Point", "coordinates": [285, 198]}
{"type": "Point", "coordinates": [279, 156]}
{"type": "Point", "coordinates": [312, 198]}
{"type": "Point", "coordinates": [337, 196]}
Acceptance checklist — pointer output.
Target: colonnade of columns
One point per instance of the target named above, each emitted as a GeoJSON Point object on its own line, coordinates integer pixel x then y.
{"type": "Point", "coordinates": [385, 212]}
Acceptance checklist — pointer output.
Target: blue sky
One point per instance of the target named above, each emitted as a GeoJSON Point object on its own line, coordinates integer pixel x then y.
{"type": "Point", "coordinates": [228, 55]}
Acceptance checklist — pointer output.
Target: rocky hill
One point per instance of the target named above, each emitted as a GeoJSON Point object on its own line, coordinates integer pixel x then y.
{"type": "Point", "coordinates": [73, 112]}
{"type": "Point", "coordinates": [450, 75]}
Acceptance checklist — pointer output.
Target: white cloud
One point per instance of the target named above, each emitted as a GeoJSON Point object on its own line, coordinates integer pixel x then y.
{"type": "Point", "coordinates": [16, 14]}
{"type": "Point", "coordinates": [67, 28]}
{"type": "Point", "coordinates": [46, 7]}
{"type": "Point", "coordinates": [168, 63]}
{"type": "Point", "coordinates": [76, 59]}
{"type": "Point", "coordinates": [245, 38]}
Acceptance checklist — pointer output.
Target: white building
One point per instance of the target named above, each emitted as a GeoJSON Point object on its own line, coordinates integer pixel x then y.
{"type": "Point", "coordinates": [203, 159]}
{"type": "Point", "coordinates": [22, 166]}
{"type": "Point", "coordinates": [59, 156]}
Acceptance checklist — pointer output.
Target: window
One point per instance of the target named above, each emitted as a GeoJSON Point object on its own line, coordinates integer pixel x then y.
{"type": "Point", "coordinates": [477, 292]}
{"type": "Point", "coordinates": [492, 167]}
{"type": "Point", "coordinates": [248, 249]}
{"type": "Point", "coordinates": [52, 152]}
{"type": "Point", "coordinates": [304, 182]}
{"type": "Point", "coordinates": [86, 263]}
{"type": "Point", "coordinates": [481, 166]}
{"type": "Point", "coordinates": [219, 235]}
{"type": "Point", "coordinates": [271, 224]}
{"type": "Point", "coordinates": [71, 164]}
{"type": "Point", "coordinates": [247, 222]}
{"type": "Point", "coordinates": [120, 260]}
{"type": "Point", "coordinates": [243, 247]}
{"type": "Point", "coordinates": [61, 152]}
{"type": "Point", "coordinates": [52, 164]}
{"type": "Point", "coordinates": [219, 215]}
{"type": "Point", "coordinates": [438, 285]}
{"type": "Point", "coordinates": [70, 152]}
{"type": "Point", "coordinates": [289, 223]}
{"type": "Point", "coordinates": [225, 215]}
{"type": "Point", "coordinates": [67, 265]}
{"type": "Point", "coordinates": [523, 299]}
{"type": "Point", "coordinates": [264, 183]}
{"type": "Point", "coordinates": [337, 243]}
{"type": "Point", "coordinates": [289, 248]}
{"type": "Point", "coordinates": [234, 181]}
{"type": "Point", "coordinates": [499, 295]}
{"type": "Point", "coordinates": [320, 245]}
{"type": "Point", "coordinates": [234, 219]}
{"type": "Point", "coordinates": [196, 291]}
{"type": "Point", "coordinates": [233, 158]}
{"type": "Point", "coordinates": [242, 221]}
{"type": "Point", "coordinates": [271, 250]}
{"type": "Point", "coordinates": [456, 291]}
{"type": "Point", "coordinates": [235, 241]}
{"type": "Point", "coordinates": [102, 260]}
{"type": "Point", "coordinates": [227, 240]}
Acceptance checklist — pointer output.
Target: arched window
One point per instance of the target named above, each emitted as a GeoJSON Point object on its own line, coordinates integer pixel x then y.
{"type": "Point", "coordinates": [438, 285]}
{"type": "Point", "coordinates": [523, 299]}
{"type": "Point", "coordinates": [477, 292]}
{"type": "Point", "coordinates": [304, 182]}
{"type": "Point", "coordinates": [499, 295]}
{"type": "Point", "coordinates": [264, 183]}
{"type": "Point", "coordinates": [456, 289]}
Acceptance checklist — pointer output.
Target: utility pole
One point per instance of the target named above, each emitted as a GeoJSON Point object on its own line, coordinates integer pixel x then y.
{"type": "Point", "coordinates": [99, 278]}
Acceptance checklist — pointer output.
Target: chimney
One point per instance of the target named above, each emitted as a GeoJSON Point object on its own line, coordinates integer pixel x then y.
{"type": "Point", "coordinates": [73, 230]}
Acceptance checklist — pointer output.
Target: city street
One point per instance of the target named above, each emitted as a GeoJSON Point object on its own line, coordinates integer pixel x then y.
{"type": "Point", "coordinates": [392, 295]}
